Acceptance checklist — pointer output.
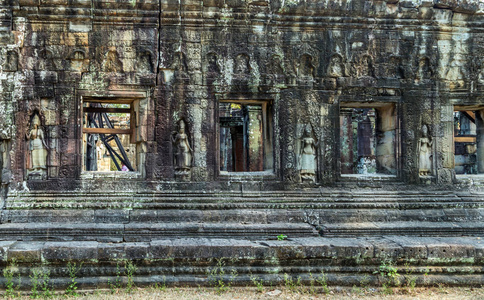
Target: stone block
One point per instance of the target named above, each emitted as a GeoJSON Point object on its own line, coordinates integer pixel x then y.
{"type": "Point", "coordinates": [111, 216]}
{"type": "Point", "coordinates": [111, 252]}
{"type": "Point", "coordinates": [70, 251]}
{"type": "Point", "coordinates": [26, 252]}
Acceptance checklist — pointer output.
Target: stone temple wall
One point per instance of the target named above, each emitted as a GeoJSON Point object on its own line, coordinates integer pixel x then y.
{"type": "Point", "coordinates": [306, 59]}
{"type": "Point", "coordinates": [340, 120]}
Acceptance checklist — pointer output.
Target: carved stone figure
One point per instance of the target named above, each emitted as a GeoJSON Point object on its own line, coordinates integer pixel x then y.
{"type": "Point", "coordinates": [37, 148]}
{"type": "Point", "coordinates": [306, 66]}
{"type": "Point", "coordinates": [183, 151]}
{"type": "Point", "coordinates": [242, 65]}
{"type": "Point", "coordinates": [336, 67]}
{"type": "Point", "coordinates": [425, 153]}
{"type": "Point", "coordinates": [213, 65]}
{"type": "Point", "coordinates": [112, 62]}
{"type": "Point", "coordinates": [11, 63]}
{"type": "Point", "coordinates": [308, 156]}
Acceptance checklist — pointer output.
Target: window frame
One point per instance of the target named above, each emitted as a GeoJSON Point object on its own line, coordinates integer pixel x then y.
{"type": "Point", "coordinates": [473, 108]}
{"type": "Point", "coordinates": [134, 98]}
{"type": "Point", "coordinates": [267, 137]}
{"type": "Point", "coordinates": [377, 105]}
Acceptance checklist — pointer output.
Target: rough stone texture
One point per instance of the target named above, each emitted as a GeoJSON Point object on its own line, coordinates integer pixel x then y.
{"type": "Point", "coordinates": [451, 261]}
{"type": "Point", "coordinates": [417, 60]}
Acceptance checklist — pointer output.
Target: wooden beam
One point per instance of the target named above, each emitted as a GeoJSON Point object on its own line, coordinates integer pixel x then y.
{"type": "Point", "coordinates": [106, 110]}
{"type": "Point", "coordinates": [465, 139]}
{"type": "Point", "coordinates": [106, 130]}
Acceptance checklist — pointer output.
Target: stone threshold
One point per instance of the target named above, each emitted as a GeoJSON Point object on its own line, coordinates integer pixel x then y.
{"type": "Point", "coordinates": [191, 261]}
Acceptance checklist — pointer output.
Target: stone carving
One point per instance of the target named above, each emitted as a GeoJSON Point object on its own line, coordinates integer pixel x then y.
{"type": "Point", "coordinates": [45, 60]}
{"type": "Point", "coordinates": [336, 68]}
{"type": "Point", "coordinates": [183, 151]}
{"type": "Point", "coordinates": [425, 153]}
{"type": "Point", "coordinates": [11, 63]}
{"type": "Point", "coordinates": [242, 65]}
{"type": "Point", "coordinates": [306, 66]}
{"type": "Point", "coordinates": [112, 62]}
{"type": "Point", "coordinates": [212, 63]}
{"type": "Point", "coordinates": [180, 66]}
{"type": "Point", "coordinates": [365, 67]}
{"type": "Point", "coordinates": [275, 65]}
{"type": "Point", "coordinates": [145, 62]}
{"type": "Point", "coordinates": [77, 60]}
{"type": "Point", "coordinates": [424, 69]}
{"type": "Point", "coordinates": [37, 159]}
{"type": "Point", "coordinates": [308, 159]}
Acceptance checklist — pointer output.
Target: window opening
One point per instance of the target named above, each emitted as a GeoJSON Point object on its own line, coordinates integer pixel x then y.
{"type": "Point", "coordinates": [367, 140]}
{"type": "Point", "coordinates": [107, 133]}
{"type": "Point", "coordinates": [245, 137]}
{"type": "Point", "coordinates": [468, 142]}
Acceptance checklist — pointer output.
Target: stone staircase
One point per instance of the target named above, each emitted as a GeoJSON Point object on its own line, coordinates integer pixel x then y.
{"type": "Point", "coordinates": [150, 215]}
{"type": "Point", "coordinates": [179, 237]}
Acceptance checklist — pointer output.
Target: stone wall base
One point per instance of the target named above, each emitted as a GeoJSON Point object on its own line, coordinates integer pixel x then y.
{"type": "Point", "coordinates": [200, 261]}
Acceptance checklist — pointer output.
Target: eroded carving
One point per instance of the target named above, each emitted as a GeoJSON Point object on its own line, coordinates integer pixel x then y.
{"type": "Point", "coordinates": [182, 151]}
{"type": "Point", "coordinates": [425, 153]}
{"type": "Point", "coordinates": [308, 156]}
{"type": "Point", "coordinates": [37, 158]}
{"type": "Point", "coordinates": [112, 62]}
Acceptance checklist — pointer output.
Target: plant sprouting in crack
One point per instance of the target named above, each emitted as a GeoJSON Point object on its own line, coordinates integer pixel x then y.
{"type": "Point", "coordinates": [219, 278]}
{"type": "Point", "coordinates": [10, 272]}
{"type": "Point", "coordinates": [387, 275]}
{"type": "Point", "coordinates": [72, 270]}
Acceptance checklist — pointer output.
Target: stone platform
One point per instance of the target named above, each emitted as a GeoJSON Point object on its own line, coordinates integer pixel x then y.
{"type": "Point", "coordinates": [431, 236]}
{"type": "Point", "coordinates": [199, 261]}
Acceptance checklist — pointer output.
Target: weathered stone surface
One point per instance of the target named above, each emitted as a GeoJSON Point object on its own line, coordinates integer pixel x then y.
{"type": "Point", "coordinates": [303, 78]}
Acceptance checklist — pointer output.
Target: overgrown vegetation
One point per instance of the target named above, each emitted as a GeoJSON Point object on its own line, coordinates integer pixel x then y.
{"type": "Point", "coordinates": [10, 272]}
{"type": "Point", "coordinates": [39, 280]}
{"type": "Point", "coordinates": [72, 270]}
{"type": "Point", "coordinates": [219, 278]}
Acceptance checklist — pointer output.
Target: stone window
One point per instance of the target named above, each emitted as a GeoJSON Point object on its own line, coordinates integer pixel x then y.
{"type": "Point", "coordinates": [108, 141]}
{"type": "Point", "coordinates": [245, 136]}
{"type": "Point", "coordinates": [367, 139]}
{"type": "Point", "coordinates": [468, 140]}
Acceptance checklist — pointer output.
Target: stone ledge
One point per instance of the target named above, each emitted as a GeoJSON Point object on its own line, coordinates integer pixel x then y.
{"type": "Point", "coordinates": [452, 261]}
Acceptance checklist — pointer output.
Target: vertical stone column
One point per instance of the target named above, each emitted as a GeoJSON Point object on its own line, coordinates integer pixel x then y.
{"type": "Point", "coordinates": [255, 144]}
{"type": "Point", "coordinates": [480, 140]}
{"type": "Point", "coordinates": [385, 148]}
{"type": "Point", "coordinates": [346, 142]}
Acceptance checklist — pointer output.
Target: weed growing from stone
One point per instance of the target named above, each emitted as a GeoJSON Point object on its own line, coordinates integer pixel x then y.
{"type": "Point", "coordinates": [130, 269]}
{"type": "Point", "coordinates": [114, 287]}
{"type": "Point", "coordinates": [11, 290]}
{"type": "Point", "coordinates": [323, 282]}
{"type": "Point", "coordinates": [388, 273]}
{"type": "Point", "coordinates": [410, 280]}
{"type": "Point", "coordinates": [365, 281]}
{"type": "Point", "coordinates": [259, 283]}
{"type": "Point", "coordinates": [39, 280]}
{"type": "Point", "coordinates": [72, 269]}
{"type": "Point", "coordinates": [216, 277]}
{"type": "Point", "coordinates": [291, 284]}
{"type": "Point", "coordinates": [312, 285]}
{"type": "Point", "coordinates": [282, 237]}
{"type": "Point", "coordinates": [161, 286]}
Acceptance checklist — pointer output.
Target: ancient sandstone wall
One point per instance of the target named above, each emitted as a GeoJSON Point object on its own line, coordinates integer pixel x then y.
{"type": "Point", "coordinates": [181, 58]}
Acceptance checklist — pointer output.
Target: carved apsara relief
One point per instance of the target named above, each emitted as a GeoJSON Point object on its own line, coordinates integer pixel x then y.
{"type": "Point", "coordinates": [37, 149]}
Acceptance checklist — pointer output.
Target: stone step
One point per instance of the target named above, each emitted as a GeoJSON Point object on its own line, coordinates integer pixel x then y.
{"type": "Point", "coordinates": [237, 200]}
{"type": "Point", "coordinates": [243, 215]}
{"type": "Point", "coordinates": [116, 232]}
{"type": "Point", "coordinates": [204, 261]}
{"type": "Point", "coordinates": [429, 229]}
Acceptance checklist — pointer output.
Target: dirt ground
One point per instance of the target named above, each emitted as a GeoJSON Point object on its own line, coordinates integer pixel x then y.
{"type": "Point", "coordinates": [439, 293]}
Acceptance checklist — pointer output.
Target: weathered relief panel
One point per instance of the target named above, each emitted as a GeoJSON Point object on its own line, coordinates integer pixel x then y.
{"type": "Point", "coordinates": [301, 93]}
